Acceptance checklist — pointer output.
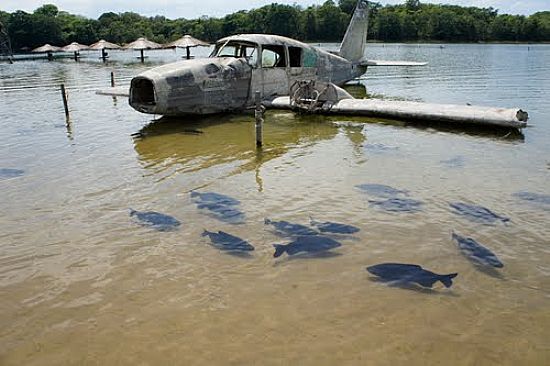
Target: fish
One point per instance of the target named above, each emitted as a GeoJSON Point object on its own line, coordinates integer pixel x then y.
{"type": "Point", "coordinates": [476, 252]}
{"type": "Point", "coordinates": [334, 227]}
{"type": "Point", "coordinates": [378, 147]}
{"type": "Point", "coordinates": [400, 273]}
{"type": "Point", "coordinates": [397, 204]}
{"type": "Point", "coordinates": [223, 212]}
{"type": "Point", "coordinates": [6, 173]}
{"type": "Point", "coordinates": [307, 244]}
{"type": "Point", "coordinates": [477, 213]}
{"type": "Point", "coordinates": [212, 197]}
{"type": "Point", "coordinates": [455, 162]}
{"type": "Point", "coordinates": [156, 220]}
{"type": "Point", "coordinates": [228, 242]}
{"type": "Point", "coordinates": [288, 228]}
{"type": "Point", "coordinates": [543, 199]}
{"type": "Point", "coordinates": [380, 190]}
{"type": "Point", "coordinates": [191, 131]}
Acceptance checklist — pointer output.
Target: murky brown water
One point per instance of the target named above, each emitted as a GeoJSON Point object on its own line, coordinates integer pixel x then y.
{"type": "Point", "coordinates": [82, 283]}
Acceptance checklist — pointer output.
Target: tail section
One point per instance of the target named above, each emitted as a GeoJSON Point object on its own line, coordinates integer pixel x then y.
{"type": "Point", "coordinates": [205, 232]}
{"type": "Point", "coordinates": [447, 280]}
{"type": "Point", "coordinates": [279, 250]}
{"type": "Point", "coordinates": [132, 211]}
{"type": "Point", "coordinates": [355, 40]}
{"type": "Point", "coordinates": [267, 221]}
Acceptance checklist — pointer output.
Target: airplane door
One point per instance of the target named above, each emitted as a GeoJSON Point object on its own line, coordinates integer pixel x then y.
{"type": "Point", "coordinates": [271, 78]}
{"type": "Point", "coordinates": [302, 64]}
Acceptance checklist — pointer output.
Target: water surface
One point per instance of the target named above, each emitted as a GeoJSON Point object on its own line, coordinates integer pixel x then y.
{"type": "Point", "coordinates": [82, 283]}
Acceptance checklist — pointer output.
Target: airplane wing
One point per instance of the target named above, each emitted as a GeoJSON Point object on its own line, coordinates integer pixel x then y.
{"type": "Point", "coordinates": [391, 63]}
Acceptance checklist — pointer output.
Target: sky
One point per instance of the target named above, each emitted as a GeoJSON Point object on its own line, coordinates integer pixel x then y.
{"type": "Point", "coordinates": [217, 8]}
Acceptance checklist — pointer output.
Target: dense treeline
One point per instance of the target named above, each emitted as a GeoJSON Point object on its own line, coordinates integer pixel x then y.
{"type": "Point", "coordinates": [411, 21]}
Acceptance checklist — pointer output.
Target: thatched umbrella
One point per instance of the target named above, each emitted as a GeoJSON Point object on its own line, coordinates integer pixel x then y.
{"type": "Point", "coordinates": [76, 48]}
{"type": "Point", "coordinates": [48, 50]}
{"type": "Point", "coordinates": [142, 44]}
{"type": "Point", "coordinates": [104, 45]}
{"type": "Point", "coordinates": [187, 42]}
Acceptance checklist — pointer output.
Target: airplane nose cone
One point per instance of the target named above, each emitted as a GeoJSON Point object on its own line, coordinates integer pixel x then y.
{"type": "Point", "coordinates": [202, 86]}
{"type": "Point", "coordinates": [142, 94]}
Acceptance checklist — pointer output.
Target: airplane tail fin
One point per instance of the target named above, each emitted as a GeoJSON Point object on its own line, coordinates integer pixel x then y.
{"type": "Point", "coordinates": [355, 39]}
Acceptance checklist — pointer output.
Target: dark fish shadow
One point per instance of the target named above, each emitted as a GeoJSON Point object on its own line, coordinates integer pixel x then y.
{"type": "Point", "coordinates": [338, 237]}
{"type": "Point", "coordinates": [455, 162]}
{"type": "Point", "coordinates": [304, 256]}
{"type": "Point", "coordinates": [489, 271]}
{"type": "Point", "coordinates": [413, 287]}
{"type": "Point", "coordinates": [283, 235]}
{"type": "Point", "coordinates": [157, 227]}
{"type": "Point", "coordinates": [238, 254]}
{"type": "Point", "coordinates": [233, 220]}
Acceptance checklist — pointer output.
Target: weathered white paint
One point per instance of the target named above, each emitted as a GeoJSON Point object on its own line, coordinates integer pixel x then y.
{"type": "Point", "coordinates": [416, 111]}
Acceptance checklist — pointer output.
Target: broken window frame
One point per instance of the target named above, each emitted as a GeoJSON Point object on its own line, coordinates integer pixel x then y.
{"type": "Point", "coordinates": [240, 47]}
{"type": "Point", "coordinates": [292, 58]}
{"type": "Point", "coordinates": [276, 49]}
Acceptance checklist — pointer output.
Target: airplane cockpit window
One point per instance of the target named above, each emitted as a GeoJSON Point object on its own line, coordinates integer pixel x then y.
{"type": "Point", "coordinates": [295, 56]}
{"type": "Point", "coordinates": [273, 56]}
{"type": "Point", "coordinates": [236, 49]}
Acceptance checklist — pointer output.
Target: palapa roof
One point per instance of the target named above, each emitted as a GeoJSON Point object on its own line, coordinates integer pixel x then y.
{"type": "Point", "coordinates": [75, 47]}
{"type": "Point", "coordinates": [142, 44]}
{"type": "Point", "coordinates": [47, 48]}
{"type": "Point", "coordinates": [187, 41]}
{"type": "Point", "coordinates": [103, 44]}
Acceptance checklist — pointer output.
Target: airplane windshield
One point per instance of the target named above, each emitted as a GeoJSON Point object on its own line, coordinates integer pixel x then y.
{"type": "Point", "coordinates": [236, 49]}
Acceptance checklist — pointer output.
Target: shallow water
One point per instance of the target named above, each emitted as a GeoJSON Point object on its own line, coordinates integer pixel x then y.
{"type": "Point", "coordinates": [83, 283]}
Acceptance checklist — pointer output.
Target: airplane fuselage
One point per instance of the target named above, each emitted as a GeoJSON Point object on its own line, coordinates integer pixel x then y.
{"type": "Point", "coordinates": [239, 66]}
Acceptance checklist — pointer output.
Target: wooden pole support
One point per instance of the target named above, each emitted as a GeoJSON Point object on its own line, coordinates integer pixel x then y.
{"type": "Point", "coordinates": [112, 79]}
{"type": "Point", "coordinates": [259, 117]}
{"type": "Point", "coordinates": [64, 96]}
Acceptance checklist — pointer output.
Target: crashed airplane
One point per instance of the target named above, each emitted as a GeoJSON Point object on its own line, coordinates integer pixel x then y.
{"type": "Point", "coordinates": [242, 64]}
{"type": "Point", "coordinates": [288, 74]}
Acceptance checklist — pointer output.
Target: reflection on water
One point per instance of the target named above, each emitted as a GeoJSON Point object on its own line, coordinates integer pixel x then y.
{"type": "Point", "coordinates": [82, 283]}
{"type": "Point", "coordinates": [199, 143]}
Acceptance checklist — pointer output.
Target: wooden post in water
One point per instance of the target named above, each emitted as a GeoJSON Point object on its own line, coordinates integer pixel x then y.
{"type": "Point", "coordinates": [112, 79]}
{"type": "Point", "coordinates": [64, 96]}
{"type": "Point", "coordinates": [259, 116]}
